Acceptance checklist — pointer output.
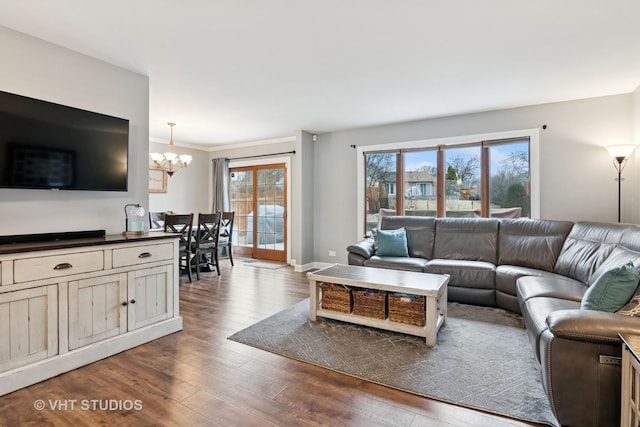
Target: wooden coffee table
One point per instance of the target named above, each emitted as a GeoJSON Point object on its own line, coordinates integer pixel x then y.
{"type": "Point", "coordinates": [432, 286]}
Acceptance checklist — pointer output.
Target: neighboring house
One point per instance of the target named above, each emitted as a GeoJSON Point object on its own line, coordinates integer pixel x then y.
{"type": "Point", "coordinates": [420, 185]}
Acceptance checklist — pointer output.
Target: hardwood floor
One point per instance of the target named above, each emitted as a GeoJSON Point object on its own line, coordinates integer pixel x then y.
{"type": "Point", "coordinates": [197, 377]}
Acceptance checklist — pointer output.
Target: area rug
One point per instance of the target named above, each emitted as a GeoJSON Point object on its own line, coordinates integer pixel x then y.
{"type": "Point", "coordinates": [267, 265]}
{"type": "Point", "coordinates": [483, 359]}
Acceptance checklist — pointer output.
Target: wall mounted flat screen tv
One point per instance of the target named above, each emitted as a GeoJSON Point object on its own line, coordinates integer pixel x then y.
{"type": "Point", "coordinates": [51, 146]}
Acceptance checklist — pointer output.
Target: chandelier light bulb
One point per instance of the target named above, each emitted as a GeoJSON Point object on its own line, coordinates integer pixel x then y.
{"type": "Point", "coordinates": [170, 161]}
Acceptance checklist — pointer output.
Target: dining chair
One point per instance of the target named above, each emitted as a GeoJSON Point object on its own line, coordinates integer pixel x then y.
{"type": "Point", "coordinates": [182, 224]}
{"type": "Point", "coordinates": [226, 234]}
{"type": "Point", "coordinates": [206, 241]}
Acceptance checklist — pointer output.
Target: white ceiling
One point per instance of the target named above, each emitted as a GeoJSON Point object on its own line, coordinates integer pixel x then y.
{"type": "Point", "coordinates": [245, 70]}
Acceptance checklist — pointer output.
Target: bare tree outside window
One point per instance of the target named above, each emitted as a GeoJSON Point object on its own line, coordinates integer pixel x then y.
{"type": "Point", "coordinates": [509, 177]}
{"type": "Point", "coordinates": [462, 185]}
{"type": "Point", "coordinates": [380, 172]}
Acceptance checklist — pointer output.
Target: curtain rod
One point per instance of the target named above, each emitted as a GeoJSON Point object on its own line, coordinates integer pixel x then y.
{"type": "Point", "coordinates": [262, 155]}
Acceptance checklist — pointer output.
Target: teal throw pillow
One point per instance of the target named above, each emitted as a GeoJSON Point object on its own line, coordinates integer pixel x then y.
{"type": "Point", "coordinates": [393, 243]}
{"type": "Point", "coordinates": [612, 290]}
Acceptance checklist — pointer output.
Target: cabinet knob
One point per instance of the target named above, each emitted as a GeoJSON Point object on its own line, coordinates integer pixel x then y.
{"type": "Point", "coordinates": [132, 301]}
{"type": "Point", "coordinates": [124, 303]}
{"type": "Point", "coordinates": [62, 266]}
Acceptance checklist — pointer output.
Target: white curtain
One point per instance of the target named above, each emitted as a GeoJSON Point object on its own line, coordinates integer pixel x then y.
{"type": "Point", "coordinates": [220, 185]}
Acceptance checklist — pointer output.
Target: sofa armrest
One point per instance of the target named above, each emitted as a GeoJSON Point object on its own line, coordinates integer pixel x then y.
{"type": "Point", "coordinates": [364, 248]}
{"type": "Point", "coordinates": [591, 325]}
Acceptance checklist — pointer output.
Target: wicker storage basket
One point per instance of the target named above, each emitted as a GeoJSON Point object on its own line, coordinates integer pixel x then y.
{"type": "Point", "coordinates": [370, 303]}
{"type": "Point", "coordinates": [336, 297]}
{"type": "Point", "coordinates": [405, 308]}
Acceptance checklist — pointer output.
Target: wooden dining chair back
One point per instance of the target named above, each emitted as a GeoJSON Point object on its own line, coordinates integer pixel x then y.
{"type": "Point", "coordinates": [182, 224]}
{"type": "Point", "coordinates": [226, 233]}
{"type": "Point", "coordinates": [206, 240]}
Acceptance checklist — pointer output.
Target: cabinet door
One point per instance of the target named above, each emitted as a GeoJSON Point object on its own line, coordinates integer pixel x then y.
{"type": "Point", "coordinates": [28, 326]}
{"type": "Point", "coordinates": [97, 309]}
{"type": "Point", "coordinates": [150, 296]}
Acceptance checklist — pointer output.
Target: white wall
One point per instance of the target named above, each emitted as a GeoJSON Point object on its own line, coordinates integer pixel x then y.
{"type": "Point", "coordinates": [38, 69]}
{"type": "Point", "coordinates": [304, 201]}
{"type": "Point", "coordinates": [577, 176]}
{"type": "Point", "coordinates": [632, 172]}
{"type": "Point", "coordinates": [188, 191]}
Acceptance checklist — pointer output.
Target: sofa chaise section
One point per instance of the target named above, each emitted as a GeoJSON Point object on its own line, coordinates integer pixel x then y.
{"type": "Point", "coordinates": [579, 349]}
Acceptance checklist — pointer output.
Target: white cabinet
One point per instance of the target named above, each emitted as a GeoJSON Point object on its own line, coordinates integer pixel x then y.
{"type": "Point", "coordinates": [105, 306]}
{"type": "Point", "coordinates": [65, 307]}
{"type": "Point", "coordinates": [144, 254]}
{"type": "Point", "coordinates": [630, 381]}
{"type": "Point", "coordinates": [149, 296]}
{"type": "Point", "coordinates": [97, 309]}
{"type": "Point", "coordinates": [28, 326]}
{"type": "Point", "coordinates": [46, 267]}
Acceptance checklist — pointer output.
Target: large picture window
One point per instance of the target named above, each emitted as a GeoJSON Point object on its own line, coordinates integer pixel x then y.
{"type": "Point", "coordinates": [487, 178]}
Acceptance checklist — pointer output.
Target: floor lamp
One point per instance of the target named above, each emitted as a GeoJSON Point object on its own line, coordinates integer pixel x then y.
{"type": "Point", "coordinates": [620, 154]}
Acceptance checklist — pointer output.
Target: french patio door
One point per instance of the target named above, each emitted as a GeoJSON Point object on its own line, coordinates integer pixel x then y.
{"type": "Point", "coordinates": [258, 197]}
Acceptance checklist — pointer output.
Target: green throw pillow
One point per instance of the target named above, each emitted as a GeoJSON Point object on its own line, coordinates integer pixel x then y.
{"type": "Point", "coordinates": [392, 243]}
{"type": "Point", "coordinates": [612, 290]}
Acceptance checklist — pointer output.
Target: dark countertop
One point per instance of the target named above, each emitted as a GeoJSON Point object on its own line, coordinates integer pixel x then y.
{"type": "Point", "coordinates": [9, 248]}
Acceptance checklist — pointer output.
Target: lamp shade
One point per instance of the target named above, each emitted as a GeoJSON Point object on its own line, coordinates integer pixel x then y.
{"type": "Point", "coordinates": [624, 150]}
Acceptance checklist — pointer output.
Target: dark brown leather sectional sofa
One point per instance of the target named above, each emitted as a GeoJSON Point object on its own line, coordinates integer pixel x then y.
{"type": "Point", "coordinates": [540, 269]}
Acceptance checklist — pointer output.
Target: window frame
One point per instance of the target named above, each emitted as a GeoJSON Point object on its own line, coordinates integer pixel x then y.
{"type": "Point", "coordinates": [534, 162]}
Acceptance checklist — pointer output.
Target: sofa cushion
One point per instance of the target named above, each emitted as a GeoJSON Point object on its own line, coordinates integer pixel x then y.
{"type": "Point", "coordinates": [555, 286]}
{"type": "Point", "coordinates": [508, 275]}
{"type": "Point", "coordinates": [467, 239]}
{"type": "Point", "coordinates": [531, 243]}
{"type": "Point", "coordinates": [392, 243]}
{"type": "Point", "coordinates": [420, 233]}
{"type": "Point", "coordinates": [618, 257]}
{"type": "Point", "coordinates": [586, 247]}
{"type": "Point", "coordinates": [396, 263]}
{"type": "Point", "coordinates": [468, 274]}
{"type": "Point", "coordinates": [612, 290]}
{"type": "Point", "coordinates": [631, 237]}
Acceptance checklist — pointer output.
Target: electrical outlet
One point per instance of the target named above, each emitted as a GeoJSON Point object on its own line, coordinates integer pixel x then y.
{"type": "Point", "coordinates": [332, 253]}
